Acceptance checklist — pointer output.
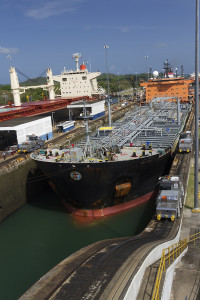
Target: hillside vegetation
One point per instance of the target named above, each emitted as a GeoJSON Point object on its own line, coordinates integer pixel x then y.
{"type": "Point", "coordinates": [121, 82]}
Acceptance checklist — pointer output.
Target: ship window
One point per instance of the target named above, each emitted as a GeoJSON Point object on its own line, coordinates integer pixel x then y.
{"type": "Point", "coordinates": [84, 77]}
{"type": "Point", "coordinates": [64, 79]}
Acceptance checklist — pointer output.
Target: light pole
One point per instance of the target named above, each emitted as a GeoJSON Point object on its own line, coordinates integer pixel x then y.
{"type": "Point", "coordinates": [107, 47]}
{"type": "Point", "coordinates": [196, 181]}
{"type": "Point", "coordinates": [146, 57]}
{"type": "Point", "coordinates": [108, 100]}
{"type": "Point", "coordinates": [136, 79]}
{"type": "Point", "coordinates": [118, 85]}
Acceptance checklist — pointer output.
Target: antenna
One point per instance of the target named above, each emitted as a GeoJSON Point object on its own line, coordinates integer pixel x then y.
{"type": "Point", "coordinates": [150, 72]}
{"type": "Point", "coordinates": [167, 68]}
{"type": "Point", "coordinates": [176, 72]}
{"type": "Point", "coordinates": [182, 71]}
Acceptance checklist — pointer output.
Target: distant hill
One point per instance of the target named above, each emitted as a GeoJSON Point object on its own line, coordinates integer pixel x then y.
{"type": "Point", "coordinates": [120, 82]}
{"type": "Point", "coordinates": [116, 83]}
{"type": "Point", "coordinates": [34, 81]}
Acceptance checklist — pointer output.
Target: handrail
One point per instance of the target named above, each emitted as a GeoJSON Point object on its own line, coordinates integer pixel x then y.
{"type": "Point", "coordinates": [170, 254]}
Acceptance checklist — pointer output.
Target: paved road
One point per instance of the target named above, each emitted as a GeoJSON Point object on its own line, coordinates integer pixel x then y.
{"type": "Point", "coordinates": [186, 281]}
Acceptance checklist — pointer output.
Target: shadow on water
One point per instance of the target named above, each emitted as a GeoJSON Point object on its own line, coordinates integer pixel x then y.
{"type": "Point", "coordinates": [50, 201]}
{"type": "Point", "coordinates": [38, 185]}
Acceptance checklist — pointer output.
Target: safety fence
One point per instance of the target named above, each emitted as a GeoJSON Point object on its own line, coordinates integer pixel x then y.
{"type": "Point", "coordinates": [169, 255]}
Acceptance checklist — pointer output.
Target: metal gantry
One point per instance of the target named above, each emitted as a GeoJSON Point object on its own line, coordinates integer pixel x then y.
{"type": "Point", "coordinates": [158, 127]}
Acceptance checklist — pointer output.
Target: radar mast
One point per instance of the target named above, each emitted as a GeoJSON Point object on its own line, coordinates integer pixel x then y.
{"type": "Point", "coordinates": [77, 56]}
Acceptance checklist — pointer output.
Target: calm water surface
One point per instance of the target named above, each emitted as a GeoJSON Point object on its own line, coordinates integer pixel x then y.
{"type": "Point", "coordinates": [41, 234]}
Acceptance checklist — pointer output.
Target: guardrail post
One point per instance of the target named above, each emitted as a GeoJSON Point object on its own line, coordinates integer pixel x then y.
{"type": "Point", "coordinates": [163, 260]}
{"type": "Point", "coordinates": [178, 247]}
{"type": "Point", "coordinates": [186, 243]}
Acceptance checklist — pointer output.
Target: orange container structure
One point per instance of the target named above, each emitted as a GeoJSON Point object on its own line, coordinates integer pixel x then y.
{"type": "Point", "coordinates": [169, 87]}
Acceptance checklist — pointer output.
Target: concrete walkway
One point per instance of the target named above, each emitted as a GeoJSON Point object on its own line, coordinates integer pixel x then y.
{"type": "Point", "coordinates": [186, 281]}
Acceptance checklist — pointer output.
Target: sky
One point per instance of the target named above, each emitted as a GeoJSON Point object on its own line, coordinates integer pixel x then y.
{"type": "Point", "coordinates": [38, 34]}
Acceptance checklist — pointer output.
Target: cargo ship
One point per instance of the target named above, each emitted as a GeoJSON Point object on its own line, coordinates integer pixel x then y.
{"type": "Point", "coordinates": [118, 167]}
{"type": "Point", "coordinates": [73, 86]}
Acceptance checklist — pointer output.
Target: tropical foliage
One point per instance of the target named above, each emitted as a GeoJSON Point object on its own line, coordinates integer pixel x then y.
{"type": "Point", "coordinates": [120, 82]}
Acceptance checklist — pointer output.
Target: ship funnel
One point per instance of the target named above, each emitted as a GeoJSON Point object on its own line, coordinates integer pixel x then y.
{"type": "Point", "coordinates": [83, 66]}
{"type": "Point", "coordinates": [50, 84]}
{"type": "Point", "coordinates": [77, 56]}
{"type": "Point", "coordinates": [15, 86]}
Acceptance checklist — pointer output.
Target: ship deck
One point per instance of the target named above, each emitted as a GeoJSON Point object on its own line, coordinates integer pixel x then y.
{"type": "Point", "coordinates": [126, 154]}
{"type": "Point", "coordinates": [146, 130]}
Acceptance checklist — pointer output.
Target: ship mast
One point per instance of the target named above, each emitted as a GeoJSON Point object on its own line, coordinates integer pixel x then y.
{"type": "Point", "coordinates": [86, 118]}
{"type": "Point", "coordinates": [77, 56]}
{"type": "Point", "coordinates": [167, 68]}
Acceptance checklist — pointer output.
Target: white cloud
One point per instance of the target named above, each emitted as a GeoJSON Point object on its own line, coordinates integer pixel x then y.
{"type": "Point", "coordinates": [137, 27]}
{"type": "Point", "coordinates": [161, 45]}
{"type": "Point", "coordinates": [53, 8]}
{"type": "Point", "coordinates": [123, 29]}
{"type": "Point", "coordinates": [8, 50]}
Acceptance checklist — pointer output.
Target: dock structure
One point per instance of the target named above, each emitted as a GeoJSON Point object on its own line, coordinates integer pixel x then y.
{"type": "Point", "coordinates": [118, 268]}
{"type": "Point", "coordinates": [111, 269]}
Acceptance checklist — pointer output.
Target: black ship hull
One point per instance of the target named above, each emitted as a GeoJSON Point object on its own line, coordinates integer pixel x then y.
{"type": "Point", "coordinates": [97, 186]}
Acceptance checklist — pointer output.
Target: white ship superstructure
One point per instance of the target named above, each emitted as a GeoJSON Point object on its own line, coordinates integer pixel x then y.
{"type": "Point", "coordinates": [79, 82]}
{"type": "Point", "coordinates": [73, 83]}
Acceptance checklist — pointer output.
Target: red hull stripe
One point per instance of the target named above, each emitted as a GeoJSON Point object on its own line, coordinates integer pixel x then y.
{"type": "Point", "coordinates": [97, 213]}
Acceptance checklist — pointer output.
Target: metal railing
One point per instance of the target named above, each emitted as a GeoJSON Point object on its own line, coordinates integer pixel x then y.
{"type": "Point", "coordinates": [169, 255]}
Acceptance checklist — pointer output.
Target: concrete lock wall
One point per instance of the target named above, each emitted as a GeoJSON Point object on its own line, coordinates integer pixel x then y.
{"type": "Point", "coordinates": [13, 186]}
